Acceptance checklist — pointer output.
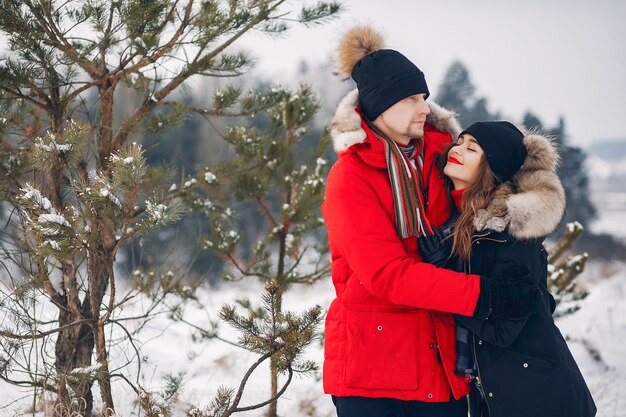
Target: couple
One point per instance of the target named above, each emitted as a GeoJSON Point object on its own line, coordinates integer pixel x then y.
{"type": "Point", "coordinates": [437, 257]}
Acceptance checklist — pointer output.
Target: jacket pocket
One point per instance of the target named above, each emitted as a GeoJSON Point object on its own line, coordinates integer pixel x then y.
{"type": "Point", "coordinates": [531, 361]}
{"type": "Point", "coordinates": [381, 350]}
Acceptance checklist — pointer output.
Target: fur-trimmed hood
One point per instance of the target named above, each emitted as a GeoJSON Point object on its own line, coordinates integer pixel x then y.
{"type": "Point", "coordinates": [532, 203]}
{"type": "Point", "coordinates": [528, 206]}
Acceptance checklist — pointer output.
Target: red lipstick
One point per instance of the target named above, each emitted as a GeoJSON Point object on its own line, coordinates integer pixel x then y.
{"type": "Point", "coordinates": [453, 160]}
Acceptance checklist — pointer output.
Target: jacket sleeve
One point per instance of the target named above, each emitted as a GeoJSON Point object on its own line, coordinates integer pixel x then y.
{"type": "Point", "coordinates": [530, 254]}
{"type": "Point", "coordinates": [501, 333]}
{"type": "Point", "coordinates": [365, 235]}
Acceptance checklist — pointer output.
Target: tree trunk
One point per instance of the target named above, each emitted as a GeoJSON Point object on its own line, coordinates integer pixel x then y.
{"type": "Point", "coordinates": [272, 409]}
{"type": "Point", "coordinates": [73, 349]}
{"type": "Point", "coordinates": [100, 269]}
{"type": "Point", "coordinates": [105, 381]}
{"type": "Point", "coordinates": [105, 133]}
{"type": "Point", "coordinates": [74, 345]}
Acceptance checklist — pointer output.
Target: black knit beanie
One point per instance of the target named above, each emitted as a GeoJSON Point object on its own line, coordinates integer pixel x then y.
{"type": "Point", "coordinates": [385, 77]}
{"type": "Point", "coordinates": [503, 145]}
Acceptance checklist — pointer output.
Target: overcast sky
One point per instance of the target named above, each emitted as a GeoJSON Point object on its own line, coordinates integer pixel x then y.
{"type": "Point", "coordinates": [554, 57]}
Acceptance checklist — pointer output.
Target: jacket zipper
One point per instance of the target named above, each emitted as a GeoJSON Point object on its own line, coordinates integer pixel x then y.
{"type": "Point", "coordinates": [479, 383]}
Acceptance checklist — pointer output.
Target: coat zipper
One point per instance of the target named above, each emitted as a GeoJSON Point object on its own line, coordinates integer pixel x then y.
{"type": "Point", "coordinates": [479, 379]}
{"type": "Point", "coordinates": [479, 383]}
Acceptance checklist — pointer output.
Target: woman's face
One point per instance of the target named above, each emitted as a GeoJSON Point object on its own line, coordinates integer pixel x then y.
{"type": "Point", "coordinates": [464, 161]}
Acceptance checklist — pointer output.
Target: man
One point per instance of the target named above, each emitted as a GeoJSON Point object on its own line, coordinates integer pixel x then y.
{"type": "Point", "coordinates": [390, 337]}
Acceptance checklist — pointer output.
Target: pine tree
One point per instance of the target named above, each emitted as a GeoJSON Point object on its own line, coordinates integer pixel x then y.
{"type": "Point", "coordinates": [77, 185]}
{"type": "Point", "coordinates": [458, 93]}
{"type": "Point", "coordinates": [287, 190]}
{"type": "Point", "coordinates": [276, 335]}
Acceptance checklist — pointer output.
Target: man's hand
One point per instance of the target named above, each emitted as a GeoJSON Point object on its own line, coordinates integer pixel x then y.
{"type": "Point", "coordinates": [510, 296]}
{"type": "Point", "coordinates": [434, 249]}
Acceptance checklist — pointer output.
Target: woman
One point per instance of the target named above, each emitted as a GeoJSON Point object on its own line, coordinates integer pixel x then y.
{"type": "Point", "coordinates": [497, 177]}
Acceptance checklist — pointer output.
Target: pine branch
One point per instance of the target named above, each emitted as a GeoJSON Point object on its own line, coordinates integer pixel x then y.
{"type": "Point", "coordinates": [312, 277]}
{"type": "Point", "coordinates": [19, 95]}
{"type": "Point", "coordinates": [198, 63]}
{"type": "Point", "coordinates": [31, 383]}
{"type": "Point", "coordinates": [271, 400]}
{"type": "Point", "coordinates": [19, 72]}
{"type": "Point", "coordinates": [41, 335]}
{"type": "Point", "coordinates": [43, 14]}
{"type": "Point", "coordinates": [319, 13]}
{"type": "Point", "coordinates": [244, 381]}
{"type": "Point", "coordinates": [205, 113]}
{"type": "Point", "coordinates": [268, 214]}
{"type": "Point", "coordinates": [71, 97]}
{"type": "Point", "coordinates": [122, 72]}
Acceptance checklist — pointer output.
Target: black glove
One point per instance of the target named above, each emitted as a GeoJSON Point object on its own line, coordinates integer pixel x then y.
{"type": "Point", "coordinates": [434, 249]}
{"type": "Point", "coordinates": [510, 296]}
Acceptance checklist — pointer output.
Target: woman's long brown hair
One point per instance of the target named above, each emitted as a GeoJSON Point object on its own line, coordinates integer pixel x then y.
{"type": "Point", "coordinates": [475, 198]}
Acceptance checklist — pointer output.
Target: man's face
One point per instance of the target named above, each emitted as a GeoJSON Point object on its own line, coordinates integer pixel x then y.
{"type": "Point", "coordinates": [404, 120]}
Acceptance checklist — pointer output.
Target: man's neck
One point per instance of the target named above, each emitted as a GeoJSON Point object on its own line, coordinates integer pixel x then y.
{"type": "Point", "coordinates": [401, 140]}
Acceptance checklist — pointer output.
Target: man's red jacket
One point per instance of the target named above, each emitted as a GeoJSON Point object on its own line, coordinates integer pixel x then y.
{"type": "Point", "coordinates": [389, 333]}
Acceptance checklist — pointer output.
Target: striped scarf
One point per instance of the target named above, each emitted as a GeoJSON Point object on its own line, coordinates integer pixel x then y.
{"type": "Point", "coordinates": [405, 176]}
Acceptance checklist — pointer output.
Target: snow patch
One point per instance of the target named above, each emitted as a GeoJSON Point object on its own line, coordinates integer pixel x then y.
{"type": "Point", "coordinates": [53, 218]}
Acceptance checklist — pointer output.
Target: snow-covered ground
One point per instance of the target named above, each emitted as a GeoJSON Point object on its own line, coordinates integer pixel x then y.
{"type": "Point", "coordinates": [168, 348]}
{"type": "Point", "coordinates": [599, 325]}
{"type": "Point", "coordinates": [599, 328]}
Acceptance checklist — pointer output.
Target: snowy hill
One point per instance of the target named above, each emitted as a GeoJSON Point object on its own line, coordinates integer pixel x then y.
{"type": "Point", "coordinates": [609, 150]}
{"type": "Point", "coordinates": [606, 169]}
{"type": "Point", "coordinates": [606, 164]}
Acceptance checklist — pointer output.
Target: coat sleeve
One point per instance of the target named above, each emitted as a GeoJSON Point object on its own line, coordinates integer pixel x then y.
{"type": "Point", "coordinates": [501, 333]}
{"type": "Point", "coordinates": [529, 254]}
{"type": "Point", "coordinates": [364, 234]}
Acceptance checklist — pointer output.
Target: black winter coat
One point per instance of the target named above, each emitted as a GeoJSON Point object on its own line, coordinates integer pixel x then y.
{"type": "Point", "coordinates": [525, 368]}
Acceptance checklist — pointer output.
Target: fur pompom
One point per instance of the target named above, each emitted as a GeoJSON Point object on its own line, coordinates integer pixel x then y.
{"type": "Point", "coordinates": [356, 44]}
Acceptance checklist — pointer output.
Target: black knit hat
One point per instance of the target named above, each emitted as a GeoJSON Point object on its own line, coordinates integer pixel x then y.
{"type": "Point", "coordinates": [385, 77]}
{"type": "Point", "coordinates": [503, 145]}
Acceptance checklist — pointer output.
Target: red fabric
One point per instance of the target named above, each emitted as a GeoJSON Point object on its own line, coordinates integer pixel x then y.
{"type": "Point", "coordinates": [457, 195]}
{"type": "Point", "coordinates": [391, 311]}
